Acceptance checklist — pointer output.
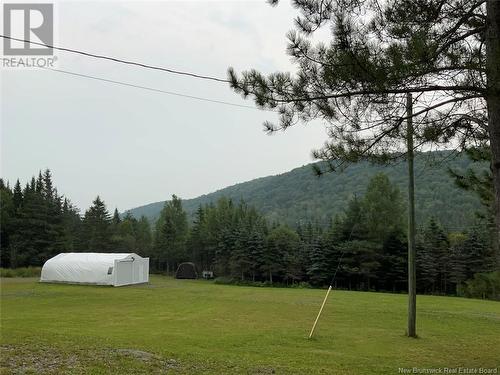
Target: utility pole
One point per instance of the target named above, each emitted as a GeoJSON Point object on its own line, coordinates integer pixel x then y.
{"type": "Point", "coordinates": [412, 287]}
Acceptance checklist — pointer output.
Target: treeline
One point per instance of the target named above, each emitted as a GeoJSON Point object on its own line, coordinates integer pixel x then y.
{"type": "Point", "coordinates": [38, 223]}
{"type": "Point", "coordinates": [236, 242]}
{"type": "Point", "coordinates": [365, 245]}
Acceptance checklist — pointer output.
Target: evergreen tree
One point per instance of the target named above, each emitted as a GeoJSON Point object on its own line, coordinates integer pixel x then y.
{"type": "Point", "coordinates": [197, 246]}
{"type": "Point", "coordinates": [124, 234]}
{"type": "Point", "coordinates": [481, 183]}
{"type": "Point", "coordinates": [354, 223]}
{"type": "Point", "coordinates": [29, 240]}
{"type": "Point", "coordinates": [480, 255]}
{"type": "Point", "coordinates": [393, 271]}
{"type": "Point", "coordinates": [240, 260]}
{"type": "Point", "coordinates": [116, 217]}
{"type": "Point", "coordinates": [478, 181]}
{"type": "Point", "coordinates": [359, 259]}
{"type": "Point", "coordinates": [378, 53]}
{"type": "Point", "coordinates": [48, 188]}
{"type": "Point", "coordinates": [360, 263]}
{"type": "Point", "coordinates": [384, 208]}
{"type": "Point", "coordinates": [37, 229]}
{"type": "Point", "coordinates": [319, 250]}
{"type": "Point", "coordinates": [96, 223]}
{"type": "Point", "coordinates": [143, 237]}
{"type": "Point", "coordinates": [72, 224]}
{"type": "Point", "coordinates": [7, 214]}
{"type": "Point", "coordinates": [256, 248]}
{"type": "Point", "coordinates": [55, 231]}
{"type": "Point", "coordinates": [458, 260]}
{"type": "Point", "coordinates": [432, 258]}
{"type": "Point", "coordinates": [17, 195]}
{"type": "Point", "coordinates": [171, 235]}
{"type": "Point", "coordinates": [280, 259]}
{"type": "Point", "coordinates": [426, 267]}
{"type": "Point", "coordinates": [39, 188]}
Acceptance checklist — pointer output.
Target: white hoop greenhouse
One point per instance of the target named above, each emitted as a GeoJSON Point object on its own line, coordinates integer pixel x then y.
{"type": "Point", "coordinates": [96, 268]}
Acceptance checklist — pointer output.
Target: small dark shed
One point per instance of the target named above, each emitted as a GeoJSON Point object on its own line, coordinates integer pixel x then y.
{"type": "Point", "coordinates": [186, 270]}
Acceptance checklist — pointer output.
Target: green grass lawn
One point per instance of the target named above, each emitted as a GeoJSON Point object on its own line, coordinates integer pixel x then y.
{"type": "Point", "coordinates": [191, 327]}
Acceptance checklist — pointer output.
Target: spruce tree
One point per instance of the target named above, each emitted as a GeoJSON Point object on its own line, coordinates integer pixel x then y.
{"type": "Point", "coordinates": [17, 195]}
{"type": "Point", "coordinates": [116, 217]}
{"type": "Point", "coordinates": [240, 260]}
{"type": "Point", "coordinates": [96, 224]}
{"type": "Point", "coordinates": [432, 258]}
{"type": "Point", "coordinates": [458, 260]}
{"type": "Point", "coordinates": [171, 235]}
{"type": "Point", "coordinates": [392, 274]}
{"type": "Point", "coordinates": [480, 255]}
{"type": "Point", "coordinates": [384, 208]}
{"type": "Point", "coordinates": [256, 249]}
{"type": "Point", "coordinates": [143, 237]}
{"type": "Point", "coordinates": [197, 248]}
{"type": "Point", "coordinates": [280, 256]}
{"type": "Point", "coordinates": [7, 214]}
{"type": "Point", "coordinates": [72, 223]}
{"type": "Point", "coordinates": [48, 188]}
{"type": "Point", "coordinates": [319, 250]}
{"type": "Point", "coordinates": [29, 239]}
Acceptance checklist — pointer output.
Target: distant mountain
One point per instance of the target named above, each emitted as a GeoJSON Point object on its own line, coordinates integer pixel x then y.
{"type": "Point", "coordinates": [299, 196]}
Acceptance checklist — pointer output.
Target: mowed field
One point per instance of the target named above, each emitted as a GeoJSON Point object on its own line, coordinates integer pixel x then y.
{"type": "Point", "coordinates": [198, 327]}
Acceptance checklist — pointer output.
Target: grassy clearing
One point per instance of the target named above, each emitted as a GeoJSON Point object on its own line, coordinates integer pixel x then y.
{"type": "Point", "coordinates": [195, 327]}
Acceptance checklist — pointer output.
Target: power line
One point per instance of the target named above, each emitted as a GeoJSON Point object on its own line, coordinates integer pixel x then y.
{"type": "Point", "coordinates": [155, 89]}
{"type": "Point", "coordinates": [142, 65]}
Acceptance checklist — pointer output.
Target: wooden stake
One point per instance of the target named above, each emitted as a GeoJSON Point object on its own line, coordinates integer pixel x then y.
{"type": "Point", "coordinates": [320, 310]}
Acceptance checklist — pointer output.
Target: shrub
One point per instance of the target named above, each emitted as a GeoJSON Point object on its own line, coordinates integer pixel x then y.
{"type": "Point", "coordinates": [21, 272]}
{"type": "Point", "coordinates": [224, 280]}
{"type": "Point", "coordinates": [301, 285]}
{"type": "Point", "coordinates": [235, 281]}
{"type": "Point", "coordinates": [483, 285]}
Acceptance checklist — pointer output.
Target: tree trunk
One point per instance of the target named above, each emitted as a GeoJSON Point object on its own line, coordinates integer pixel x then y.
{"type": "Point", "coordinates": [445, 280]}
{"type": "Point", "coordinates": [493, 102]}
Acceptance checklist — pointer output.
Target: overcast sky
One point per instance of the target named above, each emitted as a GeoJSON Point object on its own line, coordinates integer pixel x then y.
{"type": "Point", "coordinates": [134, 147]}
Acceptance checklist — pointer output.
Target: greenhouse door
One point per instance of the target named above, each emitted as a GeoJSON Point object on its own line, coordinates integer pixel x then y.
{"type": "Point", "coordinates": [124, 272]}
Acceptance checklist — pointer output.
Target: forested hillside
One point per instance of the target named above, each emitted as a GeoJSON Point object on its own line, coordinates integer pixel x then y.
{"type": "Point", "coordinates": [298, 196]}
